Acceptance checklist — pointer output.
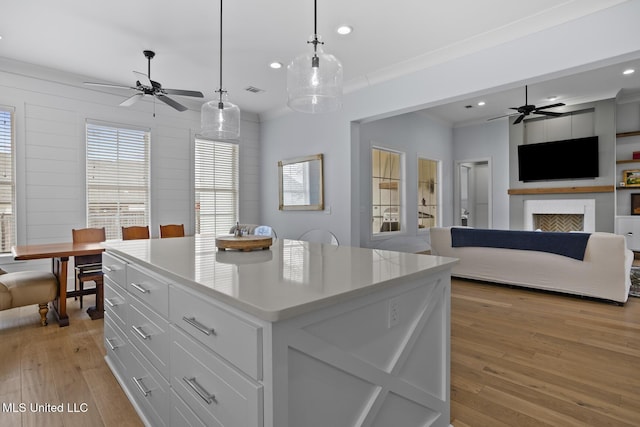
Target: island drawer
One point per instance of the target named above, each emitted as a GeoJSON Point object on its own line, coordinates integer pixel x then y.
{"type": "Point", "coordinates": [148, 388]}
{"type": "Point", "coordinates": [210, 387]}
{"type": "Point", "coordinates": [114, 268]}
{"type": "Point", "coordinates": [116, 344]}
{"type": "Point", "coordinates": [115, 302]}
{"type": "Point", "coordinates": [149, 288]}
{"type": "Point", "coordinates": [149, 332]}
{"type": "Point", "coordinates": [235, 339]}
{"type": "Point", "coordinates": [182, 415]}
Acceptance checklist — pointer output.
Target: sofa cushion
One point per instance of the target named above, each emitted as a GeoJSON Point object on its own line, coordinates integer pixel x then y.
{"type": "Point", "coordinates": [572, 245]}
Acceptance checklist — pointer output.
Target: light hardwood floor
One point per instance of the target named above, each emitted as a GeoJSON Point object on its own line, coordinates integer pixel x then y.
{"type": "Point", "coordinates": [518, 358]}
{"type": "Point", "coordinates": [526, 358]}
{"type": "Point", "coordinates": [53, 365]}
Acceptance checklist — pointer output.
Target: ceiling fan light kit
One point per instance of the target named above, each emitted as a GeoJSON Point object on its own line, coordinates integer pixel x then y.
{"type": "Point", "coordinates": [220, 119]}
{"type": "Point", "coordinates": [314, 79]}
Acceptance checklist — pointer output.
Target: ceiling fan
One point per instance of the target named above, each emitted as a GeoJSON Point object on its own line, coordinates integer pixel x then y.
{"type": "Point", "coordinates": [146, 86]}
{"type": "Point", "coordinates": [526, 109]}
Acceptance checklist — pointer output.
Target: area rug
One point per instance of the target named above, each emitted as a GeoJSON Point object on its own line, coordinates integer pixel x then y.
{"type": "Point", "coordinates": [634, 291]}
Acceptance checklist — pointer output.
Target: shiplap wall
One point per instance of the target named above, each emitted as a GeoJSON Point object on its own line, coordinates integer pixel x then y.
{"type": "Point", "coordinates": [50, 122]}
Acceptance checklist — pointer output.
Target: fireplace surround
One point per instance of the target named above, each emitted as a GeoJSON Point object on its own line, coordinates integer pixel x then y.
{"type": "Point", "coordinates": [560, 215]}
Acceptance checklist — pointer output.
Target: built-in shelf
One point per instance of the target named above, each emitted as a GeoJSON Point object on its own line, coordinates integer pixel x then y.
{"type": "Point", "coordinates": [627, 161]}
{"type": "Point", "coordinates": [563, 190]}
{"type": "Point", "coordinates": [626, 134]}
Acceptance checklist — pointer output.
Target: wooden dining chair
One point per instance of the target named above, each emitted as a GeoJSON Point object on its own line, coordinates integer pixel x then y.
{"type": "Point", "coordinates": [135, 232]}
{"type": "Point", "coordinates": [88, 268]}
{"type": "Point", "coordinates": [171, 230]}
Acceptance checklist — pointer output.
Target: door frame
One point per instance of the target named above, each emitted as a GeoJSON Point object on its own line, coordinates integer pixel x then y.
{"type": "Point", "coordinates": [456, 189]}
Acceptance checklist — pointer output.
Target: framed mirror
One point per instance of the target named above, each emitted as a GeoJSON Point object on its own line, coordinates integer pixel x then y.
{"type": "Point", "coordinates": [301, 183]}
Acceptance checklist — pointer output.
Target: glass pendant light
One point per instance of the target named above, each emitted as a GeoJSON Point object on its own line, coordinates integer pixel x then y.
{"type": "Point", "coordinates": [314, 79]}
{"type": "Point", "coordinates": [220, 119]}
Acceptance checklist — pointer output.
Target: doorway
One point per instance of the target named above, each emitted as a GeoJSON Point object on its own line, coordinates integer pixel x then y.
{"type": "Point", "coordinates": [473, 193]}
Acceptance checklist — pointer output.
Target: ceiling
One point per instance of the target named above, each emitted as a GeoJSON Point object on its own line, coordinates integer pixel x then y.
{"type": "Point", "coordinates": [104, 44]}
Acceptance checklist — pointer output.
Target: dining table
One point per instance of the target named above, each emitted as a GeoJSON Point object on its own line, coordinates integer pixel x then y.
{"type": "Point", "coordinates": [59, 254]}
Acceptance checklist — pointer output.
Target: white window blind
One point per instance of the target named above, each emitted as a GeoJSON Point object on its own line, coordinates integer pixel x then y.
{"type": "Point", "coordinates": [117, 177]}
{"type": "Point", "coordinates": [7, 183]}
{"type": "Point", "coordinates": [216, 186]}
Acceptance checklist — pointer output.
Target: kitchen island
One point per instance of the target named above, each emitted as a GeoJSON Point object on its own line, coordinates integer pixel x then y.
{"type": "Point", "coordinates": [301, 334]}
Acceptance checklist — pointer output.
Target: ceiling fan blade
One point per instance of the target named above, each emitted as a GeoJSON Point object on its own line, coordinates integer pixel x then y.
{"type": "Point", "coordinates": [499, 117]}
{"type": "Point", "coordinates": [559, 104]}
{"type": "Point", "coordinates": [194, 93]}
{"type": "Point", "coordinates": [171, 102]}
{"type": "Point", "coordinates": [132, 100]}
{"type": "Point", "coordinates": [548, 113]}
{"type": "Point", "coordinates": [143, 78]}
{"type": "Point", "coordinates": [108, 85]}
{"type": "Point", "coordinates": [519, 119]}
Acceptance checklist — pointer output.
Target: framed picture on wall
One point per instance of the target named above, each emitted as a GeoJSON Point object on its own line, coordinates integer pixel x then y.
{"type": "Point", "coordinates": [631, 178]}
{"type": "Point", "coordinates": [635, 204]}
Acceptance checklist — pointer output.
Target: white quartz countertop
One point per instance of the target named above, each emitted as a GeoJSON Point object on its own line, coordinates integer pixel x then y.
{"type": "Point", "coordinates": [291, 278]}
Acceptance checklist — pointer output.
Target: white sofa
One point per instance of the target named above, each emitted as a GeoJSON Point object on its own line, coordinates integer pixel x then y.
{"type": "Point", "coordinates": [603, 273]}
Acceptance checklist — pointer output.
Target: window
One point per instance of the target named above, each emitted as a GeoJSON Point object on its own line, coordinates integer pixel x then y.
{"type": "Point", "coordinates": [216, 186]}
{"type": "Point", "coordinates": [117, 177]}
{"type": "Point", "coordinates": [427, 193]}
{"type": "Point", "coordinates": [386, 190]}
{"type": "Point", "coordinates": [7, 185]}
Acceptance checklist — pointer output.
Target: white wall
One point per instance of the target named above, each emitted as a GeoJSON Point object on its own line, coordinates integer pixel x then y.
{"type": "Point", "coordinates": [488, 141]}
{"type": "Point", "coordinates": [578, 45]}
{"type": "Point", "coordinates": [50, 156]}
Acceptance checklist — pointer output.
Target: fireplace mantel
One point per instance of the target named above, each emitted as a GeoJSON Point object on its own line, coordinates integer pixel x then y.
{"type": "Point", "coordinates": [562, 190]}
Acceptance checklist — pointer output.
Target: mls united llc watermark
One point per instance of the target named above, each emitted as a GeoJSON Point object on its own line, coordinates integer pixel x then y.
{"type": "Point", "coordinates": [23, 407]}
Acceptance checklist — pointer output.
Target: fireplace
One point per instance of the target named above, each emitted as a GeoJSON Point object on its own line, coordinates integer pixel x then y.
{"type": "Point", "coordinates": [560, 215]}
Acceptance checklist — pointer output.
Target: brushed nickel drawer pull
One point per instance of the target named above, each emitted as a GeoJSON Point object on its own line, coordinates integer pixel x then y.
{"type": "Point", "coordinates": [138, 382]}
{"type": "Point", "coordinates": [140, 288]}
{"type": "Point", "coordinates": [204, 394]}
{"type": "Point", "coordinates": [109, 269]}
{"type": "Point", "coordinates": [113, 347]}
{"type": "Point", "coordinates": [109, 302]}
{"type": "Point", "coordinates": [140, 332]}
{"type": "Point", "coordinates": [199, 326]}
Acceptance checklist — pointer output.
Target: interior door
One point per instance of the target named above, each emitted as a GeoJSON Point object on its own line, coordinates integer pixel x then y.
{"type": "Point", "coordinates": [474, 194]}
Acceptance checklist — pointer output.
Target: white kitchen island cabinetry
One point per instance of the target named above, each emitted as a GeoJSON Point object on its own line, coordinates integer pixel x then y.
{"type": "Point", "coordinates": [301, 334]}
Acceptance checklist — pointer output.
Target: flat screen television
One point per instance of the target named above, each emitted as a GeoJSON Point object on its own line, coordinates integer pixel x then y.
{"type": "Point", "coordinates": [559, 160]}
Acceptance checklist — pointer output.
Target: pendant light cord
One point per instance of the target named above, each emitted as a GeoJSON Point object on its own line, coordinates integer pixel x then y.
{"type": "Point", "coordinates": [220, 104]}
{"type": "Point", "coordinates": [315, 60]}
{"type": "Point", "coordinates": [315, 17]}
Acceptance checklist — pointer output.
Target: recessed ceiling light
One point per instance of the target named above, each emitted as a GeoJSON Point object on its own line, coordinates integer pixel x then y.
{"type": "Point", "coordinates": [552, 98]}
{"type": "Point", "coordinates": [343, 30]}
{"type": "Point", "coordinates": [628, 71]}
{"type": "Point", "coordinates": [276, 65]}
{"type": "Point", "coordinates": [481, 103]}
